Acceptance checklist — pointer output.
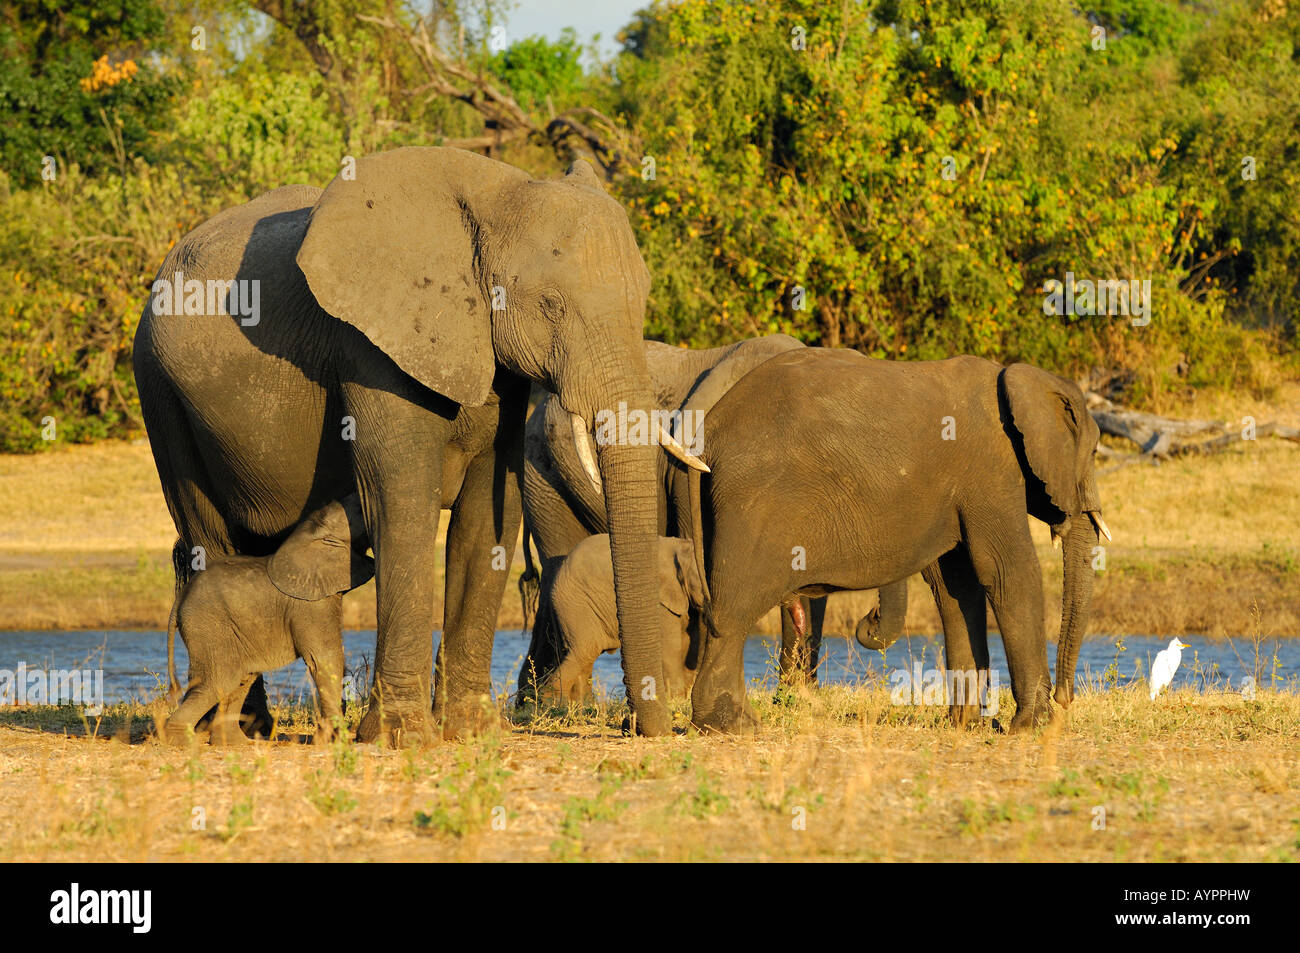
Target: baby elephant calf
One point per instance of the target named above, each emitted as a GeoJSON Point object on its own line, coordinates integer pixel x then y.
{"type": "Point", "coordinates": [586, 619]}
{"type": "Point", "coordinates": [244, 615]}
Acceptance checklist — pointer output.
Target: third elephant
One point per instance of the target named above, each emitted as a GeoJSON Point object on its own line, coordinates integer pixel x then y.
{"type": "Point", "coordinates": [877, 470]}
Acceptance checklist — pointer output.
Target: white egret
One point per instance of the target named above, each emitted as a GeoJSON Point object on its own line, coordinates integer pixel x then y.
{"type": "Point", "coordinates": [1166, 663]}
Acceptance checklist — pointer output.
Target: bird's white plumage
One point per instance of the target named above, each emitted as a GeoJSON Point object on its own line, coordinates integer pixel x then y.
{"type": "Point", "coordinates": [1166, 663]}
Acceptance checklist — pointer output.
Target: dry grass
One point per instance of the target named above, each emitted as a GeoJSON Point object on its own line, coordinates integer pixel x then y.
{"type": "Point", "coordinates": [85, 542]}
{"type": "Point", "coordinates": [1187, 778]}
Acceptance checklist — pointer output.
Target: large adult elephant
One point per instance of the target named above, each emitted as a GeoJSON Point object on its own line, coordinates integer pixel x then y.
{"type": "Point", "coordinates": [563, 506]}
{"type": "Point", "coordinates": [876, 470]}
{"type": "Point", "coordinates": [396, 318]}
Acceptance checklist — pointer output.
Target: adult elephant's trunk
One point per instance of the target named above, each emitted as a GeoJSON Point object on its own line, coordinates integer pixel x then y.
{"type": "Point", "coordinates": [1080, 537]}
{"type": "Point", "coordinates": [627, 466]}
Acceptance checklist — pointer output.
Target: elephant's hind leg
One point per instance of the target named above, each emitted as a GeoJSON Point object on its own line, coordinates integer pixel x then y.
{"type": "Point", "coordinates": [718, 701]}
{"type": "Point", "coordinates": [964, 614]}
{"type": "Point", "coordinates": [801, 640]}
{"type": "Point", "coordinates": [198, 701]}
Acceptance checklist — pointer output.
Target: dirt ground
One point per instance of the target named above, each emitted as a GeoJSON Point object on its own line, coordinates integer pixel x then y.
{"type": "Point", "coordinates": [840, 774]}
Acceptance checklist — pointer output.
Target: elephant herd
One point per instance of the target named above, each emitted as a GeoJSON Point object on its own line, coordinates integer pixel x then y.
{"type": "Point", "coordinates": [402, 315]}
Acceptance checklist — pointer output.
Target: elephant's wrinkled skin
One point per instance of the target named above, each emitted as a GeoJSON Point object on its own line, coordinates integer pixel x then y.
{"type": "Point", "coordinates": [237, 620]}
{"type": "Point", "coordinates": [581, 595]}
{"type": "Point", "coordinates": [880, 469]}
{"type": "Point", "coordinates": [402, 313]}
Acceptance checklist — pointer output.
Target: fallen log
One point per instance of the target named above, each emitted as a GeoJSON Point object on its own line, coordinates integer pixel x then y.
{"type": "Point", "coordinates": [1155, 435]}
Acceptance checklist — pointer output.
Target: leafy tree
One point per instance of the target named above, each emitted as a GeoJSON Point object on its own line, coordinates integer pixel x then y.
{"type": "Point", "coordinates": [535, 69]}
{"type": "Point", "coordinates": [904, 177]}
{"type": "Point", "coordinates": [76, 83]}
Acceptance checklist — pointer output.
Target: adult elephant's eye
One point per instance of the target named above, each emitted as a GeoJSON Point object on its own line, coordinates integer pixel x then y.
{"type": "Point", "coordinates": [552, 304]}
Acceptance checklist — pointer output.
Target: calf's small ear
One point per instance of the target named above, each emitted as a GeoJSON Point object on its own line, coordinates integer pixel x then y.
{"type": "Point", "coordinates": [688, 577]}
{"type": "Point", "coordinates": [324, 555]}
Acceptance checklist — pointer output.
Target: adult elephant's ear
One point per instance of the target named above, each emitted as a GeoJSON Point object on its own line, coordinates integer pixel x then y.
{"type": "Point", "coordinates": [1059, 434]}
{"type": "Point", "coordinates": [324, 555]}
{"type": "Point", "coordinates": [390, 250]}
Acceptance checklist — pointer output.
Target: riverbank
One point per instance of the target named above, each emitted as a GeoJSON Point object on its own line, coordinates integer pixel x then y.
{"type": "Point", "coordinates": [840, 774]}
{"type": "Point", "coordinates": [1206, 546]}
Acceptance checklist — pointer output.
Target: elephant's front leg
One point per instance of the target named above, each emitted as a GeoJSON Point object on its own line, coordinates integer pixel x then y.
{"type": "Point", "coordinates": [963, 612]}
{"type": "Point", "coordinates": [397, 462]}
{"type": "Point", "coordinates": [324, 661]}
{"type": "Point", "coordinates": [480, 548]}
{"type": "Point", "coordinates": [254, 713]}
{"type": "Point", "coordinates": [1008, 569]}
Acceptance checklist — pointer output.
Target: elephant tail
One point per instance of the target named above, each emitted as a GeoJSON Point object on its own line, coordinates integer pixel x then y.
{"type": "Point", "coordinates": [180, 566]}
{"type": "Point", "coordinates": [529, 584]}
{"type": "Point", "coordinates": [173, 684]}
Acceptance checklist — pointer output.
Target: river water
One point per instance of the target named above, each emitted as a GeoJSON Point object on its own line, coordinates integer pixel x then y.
{"type": "Point", "coordinates": [134, 664]}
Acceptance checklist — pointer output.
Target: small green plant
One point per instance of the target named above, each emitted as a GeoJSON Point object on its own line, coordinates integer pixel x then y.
{"type": "Point", "coordinates": [1069, 784]}
{"type": "Point", "coordinates": [413, 766]}
{"type": "Point", "coordinates": [1110, 677]}
{"type": "Point", "coordinates": [344, 754]}
{"type": "Point", "coordinates": [705, 801]}
{"type": "Point", "coordinates": [242, 774]}
{"type": "Point", "coordinates": [793, 796]}
{"type": "Point", "coordinates": [1129, 784]}
{"type": "Point", "coordinates": [326, 798]}
{"type": "Point", "coordinates": [579, 811]}
{"type": "Point", "coordinates": [469, 795]}
{"type": "Point", "coordinates": [976, 819]}
{"type": "Point", "coordinates": [238, 820]}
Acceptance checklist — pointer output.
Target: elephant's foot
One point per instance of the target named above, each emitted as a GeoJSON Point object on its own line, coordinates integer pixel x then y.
{"type": "Point", "coordinates": [325, 733]}
{"type": "Point", "coordinates": [468, 718]}
{"type": "Point", "coordinates": [965, 716]}
{"type": "Point", "coordinates": [727, 716]}
{"type": "Point", "coordinates": [651, 719]}
{"type": "Point", "coordinates": [178, 734]}
{"type": "Point", "coordinates": [1034, 712]}
{"type": "Point", "coordinates": [396, 727]}
{"type": "Point", "coordinates": [256, 725]}
{"type": "Point", "coordinates": [1027, 720]}
{"type": "Point", "coordinates": [227, 733]}
{"type": "Point", "coordinates": [255, 716]}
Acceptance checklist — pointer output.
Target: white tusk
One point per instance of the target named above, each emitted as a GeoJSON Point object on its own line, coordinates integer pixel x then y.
{"type": "Point", "coordinates": [677, 450]}
{"type": "Point", "coordinates": [1100, 523]}
{"type": "Point", "coordinates": [1056, 541]}
{"type": "Point", "coordinates": [583, 441]}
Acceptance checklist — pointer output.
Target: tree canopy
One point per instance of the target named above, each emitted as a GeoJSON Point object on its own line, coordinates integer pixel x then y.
{"type": "Point", "coordinates": [904, 177]}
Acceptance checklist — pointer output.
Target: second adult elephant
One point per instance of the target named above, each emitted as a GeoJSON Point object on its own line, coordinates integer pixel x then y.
{"type": "Point", "coordinates": [880, 469]}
